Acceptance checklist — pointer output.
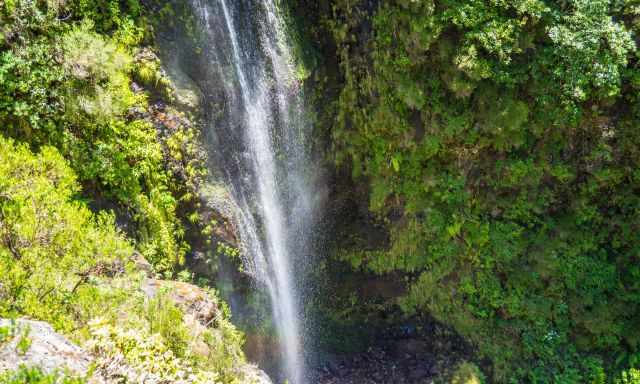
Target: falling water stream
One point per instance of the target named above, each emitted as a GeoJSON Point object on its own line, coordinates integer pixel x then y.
{"type": "Point", "coordinates": [263, 139]}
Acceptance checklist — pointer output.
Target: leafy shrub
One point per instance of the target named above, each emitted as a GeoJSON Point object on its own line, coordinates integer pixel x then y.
{"type": "Point", "coordinates": [98, 69]}
{"type": "Point", "coordinates": [144, 351]}
{"type": "Point", "coordinates": [50, 244]}
{"type": "Point", "coordinates": [155, 341]}
{"type": "Point", "coordinates": [631, 376]}
{"type": "Point", "coordinates": [165, 319]}
{"type": "Point", "coordinates": [63, 264]}
{"type": "Point", "coordinates": [467, 373]}
{"type": "Point", "coordinates": [108, 15]}
{"type": "Point", "coordinates": [90, 56]}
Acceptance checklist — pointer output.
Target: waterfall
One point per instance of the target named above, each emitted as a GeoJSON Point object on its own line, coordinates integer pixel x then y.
{"type": "Point", "coordinates": [261, 134]}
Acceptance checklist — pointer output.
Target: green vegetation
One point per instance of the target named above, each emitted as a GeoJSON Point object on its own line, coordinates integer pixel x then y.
{"type": "Point", "coordinates": [31, 375]}
{"type": "Point", "coordinates": [50, 244]}
{"type": "Point", "coordinates": [629, 377]}
{"type": "Point", "coordinates": [68, 85]}
{"type": "Point", "coordinates": [467, 373]}
{"type": "Point", "coordinates": [156, 340]}
{"type": "Point", "coordinates": [65, 265]}
{"type": "Point", "coordinates": [80, 150]}
{"type": "Point", "coordinates": [500, 144]}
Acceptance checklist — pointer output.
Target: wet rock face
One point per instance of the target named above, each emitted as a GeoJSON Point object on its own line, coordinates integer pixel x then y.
{"type": "Point", "coordinates": [406, 354]}
{"type": "Point", "coordinates": [36, 344]}
{"type": "Point", "coordinates": [378, 366]}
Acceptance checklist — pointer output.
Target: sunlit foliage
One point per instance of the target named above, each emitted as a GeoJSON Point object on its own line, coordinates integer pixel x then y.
{"type": "Point", "coordinates": [65, 76]}
{"type": "Point", "coordinates": [50, 244]}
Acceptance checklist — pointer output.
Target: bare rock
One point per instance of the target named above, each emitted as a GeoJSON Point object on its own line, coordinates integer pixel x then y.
{"type": "Point", "coordinates": [40, 346]}
{"type": "Point", "coordinates": [142, 264]}
{"type": "Point", "coordinates": [187, 92]}
{"type": "Point", "coordinates": [200, 312]}
{"type": "Point", "coordinates": [217, 198]}
{"type": "Point", "coordinates": [254, 375]}
{"type": "Point", "coordinates": [193, 300]}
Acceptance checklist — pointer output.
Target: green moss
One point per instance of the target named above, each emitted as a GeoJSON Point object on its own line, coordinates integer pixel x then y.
{"type": "Point", "coordinates": [503, 167]}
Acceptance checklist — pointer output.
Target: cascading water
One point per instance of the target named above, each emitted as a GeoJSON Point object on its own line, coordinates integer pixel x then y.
{"type": "Point", "coordinates": [260, 134]}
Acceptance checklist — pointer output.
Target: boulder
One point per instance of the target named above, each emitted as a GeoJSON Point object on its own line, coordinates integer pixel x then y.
{"type": "Point", "coordinates": [193, 300]}
{"type": "Point", "coordinates": [36, 344]}
{"type": "Point", "coordinates": [187, 93]}
{"type": "Point", "coordinates": [200, 312]}
{"type": "Point", "coordinates": [254, 375]}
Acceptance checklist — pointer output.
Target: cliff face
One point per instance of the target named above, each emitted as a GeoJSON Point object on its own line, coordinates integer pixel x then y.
{"type": "Point", "coordinates": [470, 142]}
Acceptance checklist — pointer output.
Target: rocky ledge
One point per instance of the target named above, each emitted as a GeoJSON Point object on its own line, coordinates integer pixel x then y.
{"type": "Point", "coordinates": [35, 344]}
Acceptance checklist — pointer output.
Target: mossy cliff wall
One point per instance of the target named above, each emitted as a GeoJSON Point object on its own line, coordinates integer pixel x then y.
{"type": "Point", "coordinates": [491, 148]}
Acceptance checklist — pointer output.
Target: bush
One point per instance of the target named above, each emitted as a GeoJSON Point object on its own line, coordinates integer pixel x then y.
{"type": "Point", "coordinates": [155, 340]}
{"type": "Point", "coordinates": [467, 373]}
{"type": "Point", "coordinates": [98, 70]}
{"type": "Point", "coordinates": [65, 265]}
{"type": "Point", "coordinates": [51, 245]}
{"type": "Point", "coordinates": [165, 319]}
{"type": "Point", "coordinates": [631, 376]}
